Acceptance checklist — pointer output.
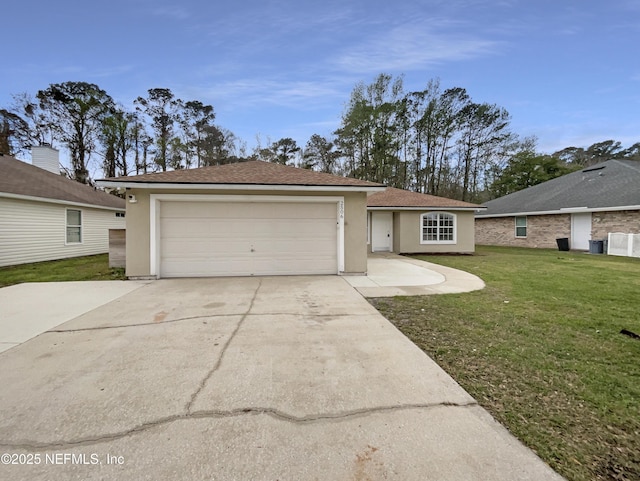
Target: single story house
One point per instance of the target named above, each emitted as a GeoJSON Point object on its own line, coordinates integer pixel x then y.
{"type": "Point", "coordinates": [581, 206]}
{"type": "Point", "coordinates": [243, 219]}
{"type": "Point", "coordinates": [407, 222]}
{"type": "Point", "coordinates": [45, 216]}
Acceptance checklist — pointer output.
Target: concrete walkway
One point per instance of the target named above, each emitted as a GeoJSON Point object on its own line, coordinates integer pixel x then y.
{"type": "Point", "coordinates": [394, 275]}
{"type": "Point", "coordinates": [29, 309]}
{"type": "Point", "coordinates": [272, 378]}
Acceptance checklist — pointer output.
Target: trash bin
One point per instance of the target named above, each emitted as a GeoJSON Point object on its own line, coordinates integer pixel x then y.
{"type": "Point", "coordinates": [596, 247]}
{"type": "Point", "coordinates": [563, 243]}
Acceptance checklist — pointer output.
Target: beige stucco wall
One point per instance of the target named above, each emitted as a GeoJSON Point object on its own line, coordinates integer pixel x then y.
{"type": "Point", "coordinates": [542, 231]}
{"type": "Point", "coordinates": [408, 234]}
{"type": "Point", "coordinates": [139, 239]}
{"type": "Point", "coordinates": [355, 232]}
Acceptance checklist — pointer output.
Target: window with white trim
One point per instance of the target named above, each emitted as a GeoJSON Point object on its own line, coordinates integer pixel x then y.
{"type": "Point", "coordinates": [521, 226]}
{"type": "Point", "coordinates": [74, 226]}
{"type": "Point", "coordinates": [438, 228]}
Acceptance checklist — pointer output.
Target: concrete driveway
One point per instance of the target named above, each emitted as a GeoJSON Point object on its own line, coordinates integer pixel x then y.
{"type": "Point", "coordinates": [275, 378]}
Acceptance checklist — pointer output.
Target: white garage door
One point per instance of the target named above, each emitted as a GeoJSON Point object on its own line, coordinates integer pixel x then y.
{"type": "Point", "coordinates": [201, 239]}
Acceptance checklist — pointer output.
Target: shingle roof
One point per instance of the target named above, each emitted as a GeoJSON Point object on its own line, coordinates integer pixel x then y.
{"type": "Point", "coordinates": [254, 172]}
{"type": "Point", "coordinates": [20, 178]}
{"type": "Point", "coordinates": [614, 183]}
{"type": "Point", "coordinates": [399, 198]}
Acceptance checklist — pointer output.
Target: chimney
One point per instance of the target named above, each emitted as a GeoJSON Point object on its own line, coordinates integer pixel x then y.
{"type": "Point", "coordinates": [46, 158]}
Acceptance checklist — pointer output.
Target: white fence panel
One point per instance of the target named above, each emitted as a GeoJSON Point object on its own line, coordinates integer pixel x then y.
{"type": "Point", "coordinates": [635, 245]}
{"type": "Point", "coordinates": [620, 244]}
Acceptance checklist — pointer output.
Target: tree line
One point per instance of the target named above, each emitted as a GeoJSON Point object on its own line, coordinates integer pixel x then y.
{"type": "Point", "coordinates": [160, 133]}
{"type": "Point", "coordinates": [437, 141]}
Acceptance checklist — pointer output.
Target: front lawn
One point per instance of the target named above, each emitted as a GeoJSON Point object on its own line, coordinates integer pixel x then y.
{"type": "Point", "coordinates": [88, 268]}
{"type": "Point", "coordinates": [540, 348]}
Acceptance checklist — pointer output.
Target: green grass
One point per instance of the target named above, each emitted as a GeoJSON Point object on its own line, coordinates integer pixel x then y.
{"type": "Point", "coordinates": [88, 268]}
{"type": "Point", "coordinates": [540, 348]}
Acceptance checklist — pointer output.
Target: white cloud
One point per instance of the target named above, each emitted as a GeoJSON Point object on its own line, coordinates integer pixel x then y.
{"type": "Point", "coordinates": [412, 46]}
{"type": "Point", "coordinates": [274, 92]}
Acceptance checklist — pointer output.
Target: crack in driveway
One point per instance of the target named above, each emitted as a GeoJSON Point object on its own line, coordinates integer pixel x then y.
{"type": "Point", "coordinates": [218, 414]}
{"type": "Point", "coordinates": [218, 363]}
{"type": "Point", "coordinates": [140, 324]}
{"type": "Point", "coordinates": [191, 318]}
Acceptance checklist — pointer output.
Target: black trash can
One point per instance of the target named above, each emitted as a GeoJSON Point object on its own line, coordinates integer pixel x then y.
{"type": "Point", "coordinates": [596, 247]}
{"type": "Point", "coordinates": [563, 243]}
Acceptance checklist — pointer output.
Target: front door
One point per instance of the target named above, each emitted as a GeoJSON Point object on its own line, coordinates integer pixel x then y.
{"type": "Point", "coordinates": [381, 231]}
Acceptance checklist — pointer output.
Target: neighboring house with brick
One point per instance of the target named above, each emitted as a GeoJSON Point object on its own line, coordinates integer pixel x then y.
{"type": "Point", "coordinates": [581, 206]}
{"type": "Point", "coordinates": [45, 216]}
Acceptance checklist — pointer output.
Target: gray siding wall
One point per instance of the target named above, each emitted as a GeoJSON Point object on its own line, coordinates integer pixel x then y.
{"type": "Point", "coordinates": [32, 231]}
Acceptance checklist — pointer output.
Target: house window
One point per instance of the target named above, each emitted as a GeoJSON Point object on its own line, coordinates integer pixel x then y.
{"type": "Point", "coordinates": [521, 227]}
{"type": "Point", "coordinates": [74, 226]}
{"type": "Point", "coordinates": [438, 227]}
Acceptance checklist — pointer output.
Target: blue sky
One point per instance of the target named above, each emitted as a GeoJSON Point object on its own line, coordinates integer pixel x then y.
{"type": "Point", "coordinates": [568, 71]}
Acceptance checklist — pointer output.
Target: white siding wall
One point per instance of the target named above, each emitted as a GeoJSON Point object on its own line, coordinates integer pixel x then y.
{"type": "Point", "coordinates": [35, 231]}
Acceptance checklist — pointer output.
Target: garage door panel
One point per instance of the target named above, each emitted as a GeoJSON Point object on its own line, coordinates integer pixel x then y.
{"type": "Point", "coordinates": [203, 210]}
{"type": "Point", "coordinates": [312, 248]}
{"type": "Point", "coordinates": [299, 229]}
{"type": "Point", "coordinates": [294, 210]}
{"type": "Point", "coordinates": [203, 228]}
{"type": "Point", "coordinates": [247, 238]}
{"type": "Point", "coordinates": [185, 248]}
{"type": "Point", "coordinates": [203, 267]}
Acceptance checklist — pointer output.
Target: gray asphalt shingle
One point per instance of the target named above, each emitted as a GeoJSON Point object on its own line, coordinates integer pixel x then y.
{"type": "Point", "coordinates": [254, 172]}
{"type": "Point", "coordinates": [614, 183]}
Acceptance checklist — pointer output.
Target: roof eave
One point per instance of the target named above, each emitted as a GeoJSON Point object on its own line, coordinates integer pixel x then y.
{"type": "Point", "coordinates": [425, 207]}
{"type": "Point", "coordinates": [264, 187]}
{"type": "Point", "coordinates": [567, 210]}
{"type": "Point", "coordinates": [49, 200]}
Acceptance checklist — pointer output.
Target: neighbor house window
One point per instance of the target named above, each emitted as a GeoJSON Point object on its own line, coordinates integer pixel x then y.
{"type": "Point", "coordinates": [74, 226]}
{"type": "Point", "coordinates": [521, 227]}
{"type": "Point", "coordinates": [438, 227]}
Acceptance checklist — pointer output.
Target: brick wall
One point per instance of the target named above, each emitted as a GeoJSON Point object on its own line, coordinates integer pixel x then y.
{"type": "Point", "coordinates": [542, 231]}
{"type": "Point", "coordinates": [626, 221]}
